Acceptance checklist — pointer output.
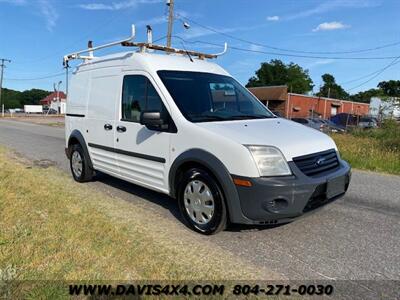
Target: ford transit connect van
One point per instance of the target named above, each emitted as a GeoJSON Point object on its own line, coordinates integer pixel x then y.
{"type": "Point", "coordinates": [186, 128]}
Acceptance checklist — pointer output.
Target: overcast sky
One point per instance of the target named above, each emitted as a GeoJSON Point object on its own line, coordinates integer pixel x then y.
{"type": "Point", "coordinates": [35, 34]}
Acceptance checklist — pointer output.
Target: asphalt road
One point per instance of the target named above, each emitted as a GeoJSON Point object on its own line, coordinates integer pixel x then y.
{"type": "Point", "coordinates": [356, 237]}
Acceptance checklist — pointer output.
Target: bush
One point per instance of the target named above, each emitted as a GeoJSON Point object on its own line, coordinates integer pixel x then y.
{"type": "Point", "coordinates": [372, 149]}
{"type": "Point", "coordinates": [388, 135]}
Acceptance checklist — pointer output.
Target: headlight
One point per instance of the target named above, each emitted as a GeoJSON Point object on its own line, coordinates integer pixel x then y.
{"type": "Point", "coordinates": [269, 160]}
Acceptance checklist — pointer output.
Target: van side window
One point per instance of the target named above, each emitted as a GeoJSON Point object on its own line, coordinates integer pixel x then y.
{"type": "Point", "coordinates": [153, 99]}
{"type": "Point", "coordinates": [138, 94]}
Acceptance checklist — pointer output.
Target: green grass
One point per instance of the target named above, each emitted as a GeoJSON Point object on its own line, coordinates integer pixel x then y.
{"type": "Point", "coordinates": [374, 149]}
{"type": "Point", "coordinates": [55, 229]}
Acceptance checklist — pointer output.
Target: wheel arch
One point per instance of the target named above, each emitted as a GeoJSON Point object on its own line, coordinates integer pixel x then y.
{"type": "Point", "coordinates": [203, 159]}
{"type": "Point", "coordinates": [76, 137]}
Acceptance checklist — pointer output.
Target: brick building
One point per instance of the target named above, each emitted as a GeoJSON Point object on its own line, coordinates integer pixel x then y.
{"type": "Point", "coordinates": [291, 105]}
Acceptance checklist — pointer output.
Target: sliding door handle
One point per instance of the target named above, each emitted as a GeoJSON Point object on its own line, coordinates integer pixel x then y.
{"type": "Point", "coordinates": [107, 126]}
{"type": "Point", "coordinates": [121, 128]}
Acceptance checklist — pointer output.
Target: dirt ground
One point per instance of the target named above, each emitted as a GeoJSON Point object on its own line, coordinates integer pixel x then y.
{"type": "Point", "coordinates": [50, 120]}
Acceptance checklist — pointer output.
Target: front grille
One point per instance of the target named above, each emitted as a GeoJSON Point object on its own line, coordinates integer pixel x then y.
{"type": "Point", "coordinates": [317, 163]}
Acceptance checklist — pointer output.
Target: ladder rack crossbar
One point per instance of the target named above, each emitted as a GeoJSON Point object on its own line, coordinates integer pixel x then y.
{"type": "Point", "coordinates": [173, 50]}
{"type": "Point", "coordinates": [128, 42]}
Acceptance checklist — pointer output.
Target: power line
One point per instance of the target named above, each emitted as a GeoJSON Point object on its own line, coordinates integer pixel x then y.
{"type": "Point", "coordinates": [289, 50]}
{"type": "Point", "coordinates": [291, 55]}
{"type": "Point", "coordinates": [36, 78]}
{"type": "Point", "coordinates": [55, 74]}
{"type": "Point", "coordinates": [366, 76]}
{"type": "Point", "coordinates": [395, 61]}
{"type": "Point", "coordinates": [312, 56]}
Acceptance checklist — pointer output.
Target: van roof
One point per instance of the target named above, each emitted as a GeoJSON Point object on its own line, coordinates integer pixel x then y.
{"type": "Point", "coordinates": [152, 62]}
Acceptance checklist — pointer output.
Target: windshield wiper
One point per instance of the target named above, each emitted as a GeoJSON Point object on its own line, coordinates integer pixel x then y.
{"type": "Point", "coordinates": [251, 117]}
{"type": "Point", "coordinates": [208, 118]}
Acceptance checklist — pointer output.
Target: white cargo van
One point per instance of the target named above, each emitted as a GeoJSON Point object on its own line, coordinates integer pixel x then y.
{"type": "Point", "coordinates": [181, 125]}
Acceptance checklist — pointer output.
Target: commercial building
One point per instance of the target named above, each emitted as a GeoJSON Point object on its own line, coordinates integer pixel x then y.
{"type": "Point", "coordinates": [56, 101]}
{"type": "Point", "coordinates": [291, 105]}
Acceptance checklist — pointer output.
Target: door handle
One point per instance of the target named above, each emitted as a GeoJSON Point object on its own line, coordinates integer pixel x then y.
{"type": "Point", "coordinates": [107, 126]}
{"type": "Point", "coordinates": [121, 128]}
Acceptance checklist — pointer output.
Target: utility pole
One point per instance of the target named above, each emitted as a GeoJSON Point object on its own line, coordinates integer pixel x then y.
{"type": "Point", "coordinates": [58, 96]}
{"type": "Point", "coordinates": [2, 66]}
{"type": "Point", "coordinates": [170, 4]}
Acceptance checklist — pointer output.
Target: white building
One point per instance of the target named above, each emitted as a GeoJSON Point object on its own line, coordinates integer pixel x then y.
{"type": "Point", "coordinates": [56, 101]}
{"type": "Point", "coordinates": [388, 108]}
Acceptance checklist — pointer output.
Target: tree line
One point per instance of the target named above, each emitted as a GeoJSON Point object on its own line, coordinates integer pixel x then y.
{"type": "Point", "coordinates": [17, 99]}
{"type": "Point", "coordinates": [270, 73]}
{"type": "Point", "coordinates": [298, 81]}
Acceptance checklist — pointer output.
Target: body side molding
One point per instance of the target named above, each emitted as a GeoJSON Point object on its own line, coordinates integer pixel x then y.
{"type": "Point", "coordinates": [75, 115]}
{"type": "Point", "coordinates": [128, 153]}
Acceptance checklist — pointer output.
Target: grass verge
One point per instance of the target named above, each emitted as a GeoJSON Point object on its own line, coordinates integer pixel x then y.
{"type": "Point", "coordinates": [55, 229]}
{"type": "Point", "coordinates": [375, 149]}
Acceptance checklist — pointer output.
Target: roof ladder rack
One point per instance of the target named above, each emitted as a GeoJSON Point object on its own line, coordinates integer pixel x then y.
{"type": "Point", "coordinates": [128, 42]}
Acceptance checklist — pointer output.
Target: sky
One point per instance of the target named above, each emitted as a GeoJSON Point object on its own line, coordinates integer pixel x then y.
{"type": "Point", "coordinates": [35, 34]}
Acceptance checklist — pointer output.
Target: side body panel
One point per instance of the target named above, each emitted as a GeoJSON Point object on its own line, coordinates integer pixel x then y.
{"type": "Point", "coordinates": [143, 155]}
{"type": "Point", "coordinates": [77, 100]}
{"type": "Point", "coordinates": [100, 118]}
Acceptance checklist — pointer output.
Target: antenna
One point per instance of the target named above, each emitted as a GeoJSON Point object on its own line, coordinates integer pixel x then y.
{"type": "Point", "coordinates": [90, 46]}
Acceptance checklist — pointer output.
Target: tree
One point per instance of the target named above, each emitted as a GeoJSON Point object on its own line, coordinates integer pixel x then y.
{"type": "Point", "coordinates": [17, 99]}
{"type": "Point", "coordinates": [276, 72]}
{"type": "Point", "coordinates": [366, 96]}
{"type": "Point", "coordinates": [331, 89]}
{"type": "Point", "coordinates": [390, 88]}
{"type": "Point", "coordinates": [33, 96]}
{"type": "Point", "coordinates": [10, 98]}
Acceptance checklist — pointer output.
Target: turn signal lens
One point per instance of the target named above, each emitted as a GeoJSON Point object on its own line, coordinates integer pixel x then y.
{"type": "Point", "coordinates": [242, 182]}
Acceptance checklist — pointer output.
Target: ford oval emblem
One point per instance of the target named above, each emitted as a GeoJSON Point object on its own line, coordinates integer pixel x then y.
{"type": "Point", "coordinates": [320, 161]}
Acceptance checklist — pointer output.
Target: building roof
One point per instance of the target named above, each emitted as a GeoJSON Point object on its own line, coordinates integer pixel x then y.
{"type": "Point", "coordinates": [330, 99]}
{"type": "Point", "coordinates": [266, 93]}
{"type": "Point", "coordinates": [53, 96]}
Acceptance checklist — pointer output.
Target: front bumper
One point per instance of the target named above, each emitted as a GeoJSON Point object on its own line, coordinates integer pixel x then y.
{"type": "Point", "coordinates": [272, 200]}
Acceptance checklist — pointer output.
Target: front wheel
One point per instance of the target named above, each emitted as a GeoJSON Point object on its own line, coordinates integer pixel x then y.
{"type": "Point", "coordinates": [201, 202]}
{"type": "Point", "coordinates": [79, 164]}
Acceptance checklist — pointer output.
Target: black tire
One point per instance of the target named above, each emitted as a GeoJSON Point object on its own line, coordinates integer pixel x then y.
{"type": "Point", "coordinates": [86, 173]}
{"type": "Point", "coordinates": [218, 221]}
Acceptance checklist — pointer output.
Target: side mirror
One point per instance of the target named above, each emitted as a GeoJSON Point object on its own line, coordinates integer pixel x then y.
{"type": "Point", "coordinates": [153, 120]}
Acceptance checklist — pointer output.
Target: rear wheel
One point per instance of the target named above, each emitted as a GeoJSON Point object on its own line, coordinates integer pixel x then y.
{"type": "Point", "coordinates": [79, 164]}
{"type": "Point", "coordinates": [201, 202]}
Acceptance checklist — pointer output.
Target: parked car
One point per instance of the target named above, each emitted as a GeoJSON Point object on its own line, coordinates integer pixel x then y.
{"type": "Point", "coordinates": [345, 119]}
{"type": "Point", "coordinates": [277, 113]}
{"type": "Point", "coordinates": [367, 123]}
{"type": "Point", "coordinates": [50, 111]}
{"type": "Point", "coordinates": [332, 127]}
{"type": "Point", "coordinates": [313, 123]}
{"type": "Point", "coordinates": [184, 127]}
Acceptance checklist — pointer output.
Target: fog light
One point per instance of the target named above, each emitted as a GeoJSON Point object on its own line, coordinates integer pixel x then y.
{"type": "Point", "coordinates": [276, 205]}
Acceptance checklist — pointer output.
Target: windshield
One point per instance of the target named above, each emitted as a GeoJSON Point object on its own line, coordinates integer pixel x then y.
{"type": "Point", "coordinates": [206, 97]}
